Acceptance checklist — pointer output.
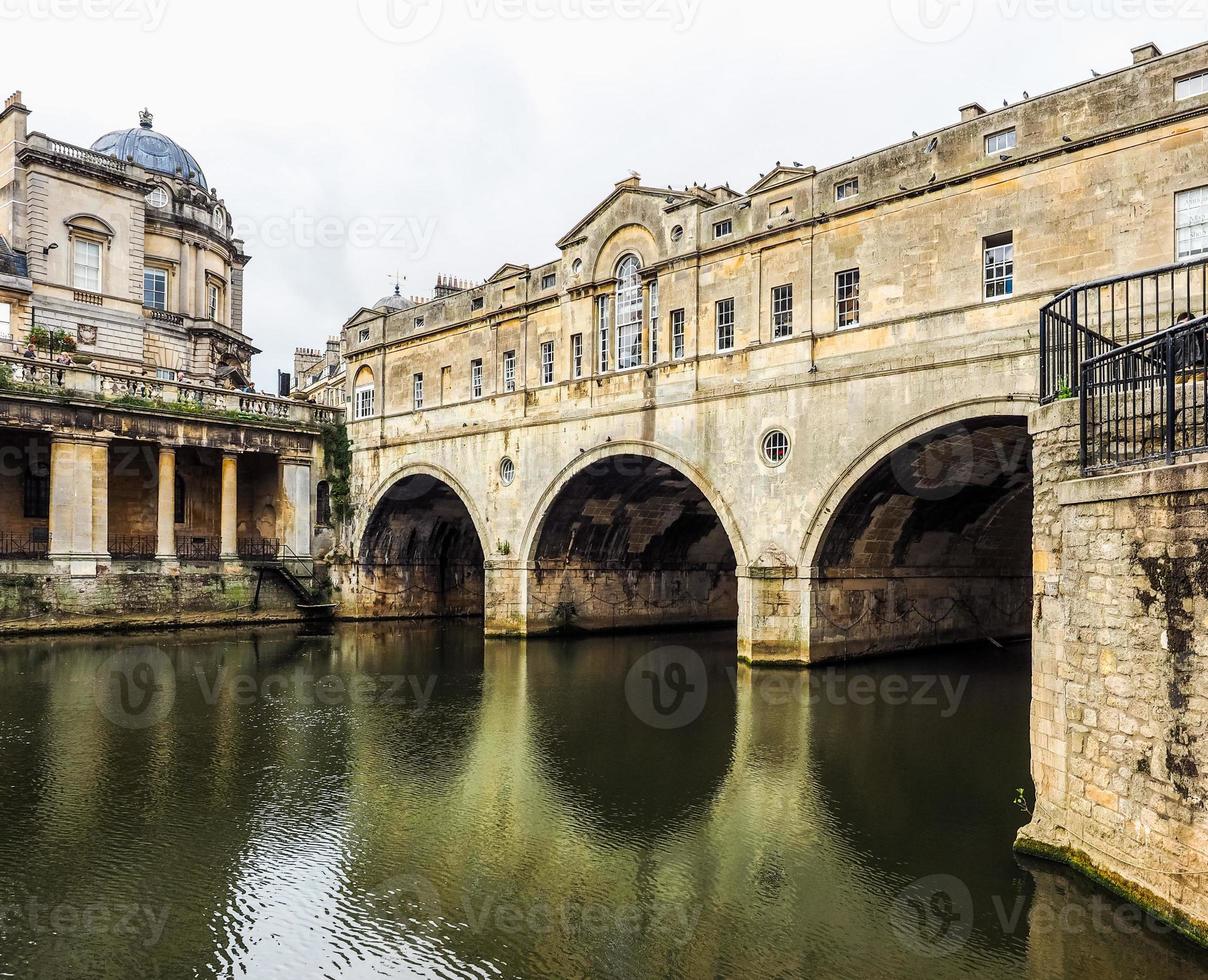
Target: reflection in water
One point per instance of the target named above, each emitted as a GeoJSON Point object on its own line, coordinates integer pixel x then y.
{"type": "Point", "coordinates": [405, 800]}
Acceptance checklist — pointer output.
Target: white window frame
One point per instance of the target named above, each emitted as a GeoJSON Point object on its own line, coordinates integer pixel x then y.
{"type": "Point", "coordinates": [654, 321]}
{"type": "Point", "coordinates": [1002, 141]}
{"type": "Point", "coordinates": [165, 374]}
{"type": "Point", "coordinates": [725, 329]}
{"type": "Point", "coordinates": [158, 197]}
{"type": "Point", "coordinates": [602, 320]}
{"type": "Point", "coordinates": [782, 312]}
{"type": "Point", "coordinates": [153, 271]}
{"type": "Point", "coordinates": [629, 313]}
{"type": "Point", "coordinates": [547, 362]}
{"type": "Point", "coordinates": [846, 189]}
{"type": "Point", "coordinates": [6, 320]}
{"type": "Point", "coordinates": [679, 319]}
{"type": "Point", "coordinates": [576, 355]}
{"type": "Point", "coordinates": [723, 228]}
{"type": "Point", "coordinates": [509, 370]}
{"type": "Point", "coordinates": [847, 299]}
{"type": "Point", "coordinates": [417, 391]}
{"type": "Point", "coordinates": [998, 268]}
{"type": "Point", "coordinates": [214, 301]}
{"type": "Point", "coordinates": [476, 378]}
{"type": "Point", "coordinates": [1191, 86]}
{"type": "Point", "coordinates": [84, 276]}
{"type": "Point", "coordinates": [363, 401]}
{"type": "Point", "coordinates": [1191, 222]}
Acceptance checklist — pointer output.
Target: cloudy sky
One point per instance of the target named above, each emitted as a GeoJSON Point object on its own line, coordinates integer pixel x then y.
{"type": "Point", "coordinates": [356, 138]}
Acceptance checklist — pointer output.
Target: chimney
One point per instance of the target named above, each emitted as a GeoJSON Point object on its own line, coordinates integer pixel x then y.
{"type": "Point", "coordinates": [633, 180]}
{"type": "Point", "coordinates": [1146, 52]}
{"type": "Point", "coordinates": [972, 111]}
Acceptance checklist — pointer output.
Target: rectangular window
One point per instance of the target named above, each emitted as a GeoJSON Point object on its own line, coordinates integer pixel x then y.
{"type": "Point", "coordinates": [6, 320]}
{"type": "Point", "coordinates": [782, 312]}
{"type": "Point", "coordinates": [1000, 142]}
{"type": "Point", "coordinates": [155, 289]}
{"type": "Point", "coordinates": [677, 334]}
{"type": "Point", "coordinates": [476, 303]}
{"type": "Point", "coordinates": [602, 322]}
{"type": "Point", "coordinates": [1191, 222]}
{"type": "Point", "coordinates": [1190, 87]}
{"type": "Point", "coordinates": [629, 328]}
{"type": "Point", "coordinates": [214, 301]}
{"type": "Point", "coordinates": [547, 363]}
{"type": "Point", "coordinates": [36, 490]}
{"type": "Point", "coordinates": [723, 228]}
{"type": "Point", "coordinates": [363, 337]}
{"type": "Point", "coordinates": [165, 374]}
{"type": "Point", "coordinates": [417, 392]}
{"type": "Point", "coordinates": [576, 356]}
{"type": "Point", "coordinates": [87, 273]}
{"type": "Point", "coordinates": [419, 323]}
{"type": "Point", "coordinates": [509, 371]}
{"type": "Point", "coordinates": [363, 402]}
{"type": "Point", "coordinates": [476, 378]}
{"type": "Point", "coordinates": [1000, 266]}
{"type": "Point", "coordinates": [725, 325]}
{"type": "Point", "coordinates": [847, 299]}
{"type": "Point", "coordinates": [654, 321]}
{"type": "Point", "coordinates": [549, 280]}
{"type": "Point", "coordinates": [847, 188]}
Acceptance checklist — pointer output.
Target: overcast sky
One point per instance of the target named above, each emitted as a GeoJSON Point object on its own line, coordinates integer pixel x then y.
{"type": "Point", "coordinates": [355, 138]}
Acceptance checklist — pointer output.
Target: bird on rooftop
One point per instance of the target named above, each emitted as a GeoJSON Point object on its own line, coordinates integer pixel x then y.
{"type": "Point", "coordinates": [1066, 139]}
{"type": "Point", "coordinates": [1005, 103]}
{"type": "Point", "coordinates": [933, 178]}
{"type": "Point", "coordinates": [1026, 96]}
{"type": "Point", "coordinates": [798, 163]}
{"type": "Point", "coordinates": [914, 134]}
{"type": "Point", "coordinates": [1095, 74]}
{"type": "Point", "coordinates": [901, 187]}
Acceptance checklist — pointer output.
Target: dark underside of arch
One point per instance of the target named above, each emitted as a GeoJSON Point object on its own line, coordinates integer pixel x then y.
{"type": "Point", "coordinates": [933, 546]}
{"type": "Point", "coordinates": [421, 555]}
{"type": "Point", "coordinates": [628, 543]}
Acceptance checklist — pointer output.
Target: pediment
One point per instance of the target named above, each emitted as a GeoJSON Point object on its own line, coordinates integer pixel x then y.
{"type": "Point", "coordinates": [781, 175]}
{"type": "Point", "coordinates": [363, 315]}
{"type": "Point", "coordinates": [507, 271]}
{"type": "Point", "coordinates": [581, 230]}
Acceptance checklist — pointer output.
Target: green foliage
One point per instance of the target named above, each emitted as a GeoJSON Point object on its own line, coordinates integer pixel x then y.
{"type": "Point", "coordinates": [6, 376]}
{"type": "Point", "coordinates": [1064, 391]}
{"type": "Point", "coordinates": [45, 339]}
{"type": "Point", "coordinates": [504, 548]}
{"type": "Point", "coordinates": [337, 452]}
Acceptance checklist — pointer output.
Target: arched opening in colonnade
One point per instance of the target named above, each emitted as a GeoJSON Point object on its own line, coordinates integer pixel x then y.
{"type": "Point", "coordinates": [421, 556]}
{"type": "Point", "coordinates": [629, 541]}
{"type": "Point", "coordinates": [932, 545]}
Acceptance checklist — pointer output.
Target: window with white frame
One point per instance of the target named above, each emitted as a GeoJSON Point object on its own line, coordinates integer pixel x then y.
{"type": "Point", "coordinates": [629, 313]}
{"type": "Point", "coordinates": [847, 188]}
{"type": "Point", "coordinates": [165, 374]}
{"type": "Point", "coordinates": [1001, 142]}
{"type": "Point", "coordinates": [363, 398]}
{"type": "Point", "coordinates": [509, 370]}
{"type": "Point", "coordinates": [1191, 222]}
{"type": "Point", "coordinates": [86, 274]}
{"type": "Point", "coordinates": [476, 378]}
{"type": "Point", "coordinates": [6, 320]}
{"type": "Point", "coordinates": [725, 325]}
{"type": "Point", "coordinates": [677, 334]}
{"type": "Point", "coordinates": [847, 299]}
{"type": "Point", "coordinates": [602, 328]}
{"type": "Point", "coordinates": [417, 391]}
{"type": "Point", "coordinates": [782, 312]}
{"type": "Point", "coordinates": [723, 228]}
{"type": "Point", "coordinates": [1191, 86]}
{"type": "Point", "coordinates": [549, 280]}
{"type": "Point", "coordinates": [654, 321]}
{"type": "Point", "coordinates": [419, 323]}
{"type": "Point", "coordinates": [214, 300]}
{"type": "Point", "coordinates": [158, 198]}
{"type": "Point", "coordinates": [999, 253]}
{"type": "Point", "coordinates": [155, 288]}
{"type": "Point", "coordinates": [576, 356]}
{"type": "Point", "coordinates": [547, 362]}
{"type": "Point", "coordinates": [363, 336]}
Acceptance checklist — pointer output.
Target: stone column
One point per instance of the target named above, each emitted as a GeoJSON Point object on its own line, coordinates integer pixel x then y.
{"type": "Point", "coordinates": [199, 284]}
{"type": "Point", "coordinates": [165, 547]}
{"type": "Point", "coordinates": [505, 599]}
{"type": "Point", "coordinates": [100, 501]}
{"type": "Point", "coordinates": [297, 524]}
{"type": "Point", "coordinates": [230, 507]}
{"type": "Point", "coordinates": [71, 506]}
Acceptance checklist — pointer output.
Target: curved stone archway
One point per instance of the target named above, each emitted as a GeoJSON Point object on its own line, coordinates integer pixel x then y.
{"type": "Point", "coordinates": [626, 538]}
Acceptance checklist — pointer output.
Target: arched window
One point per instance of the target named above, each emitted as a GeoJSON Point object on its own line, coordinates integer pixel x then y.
{"type": "Point", "coordinates": [629, 313]}
{"type": "Point", "coordinates": [323, 503]}
{"type": "Point", "coordinates": [178, 502]}
{"type": "Point", "coordinates": [363, 395]}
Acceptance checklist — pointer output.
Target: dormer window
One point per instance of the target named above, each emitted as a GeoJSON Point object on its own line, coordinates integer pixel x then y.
{"type": "Point", "coordinates": [723, 229]}
{"type": "Point", "coordinates": [1191, 86]}
{"type": "Point", "coordinates": [847, 188]}
{"type": "Point", "coordinates": [1001, 142]}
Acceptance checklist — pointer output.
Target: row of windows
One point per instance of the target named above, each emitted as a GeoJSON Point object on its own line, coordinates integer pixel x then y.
{"type": "Point", "coordinates": [155, 293]}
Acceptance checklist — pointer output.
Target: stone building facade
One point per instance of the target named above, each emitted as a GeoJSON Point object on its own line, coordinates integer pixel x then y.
{"type": "Point", "coordinates": [719, 404]}
{"type": "Point", "coordinates": [141, 475]}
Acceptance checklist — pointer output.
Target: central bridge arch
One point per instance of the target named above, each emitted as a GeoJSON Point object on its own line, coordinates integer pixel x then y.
{"type": "Point", "coordinates": [631, 536]}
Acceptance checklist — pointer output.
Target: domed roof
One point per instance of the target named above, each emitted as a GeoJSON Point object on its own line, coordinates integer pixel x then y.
{"type": "Point", "coordinates": [152, 151]}
{"type": "Point", "coordinates": [395, 302]}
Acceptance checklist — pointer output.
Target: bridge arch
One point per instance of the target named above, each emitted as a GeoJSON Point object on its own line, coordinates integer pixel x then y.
{"type": "Point", "coordinates": [630, 535]}
{"type": "Point", "coordinates": [421, 553]}
{"type": "Point", "coordinates": [925, 539]}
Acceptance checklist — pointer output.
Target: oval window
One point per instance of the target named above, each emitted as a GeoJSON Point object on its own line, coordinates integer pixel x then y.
{"type": "Point", "coordinates": [677, 233]}
{"type": "Point", "coordinates": [158, 198]}
{"type": "Point", "coordinates": [775, 447]}
{"type": "Point", "coordinates": [507, 472]}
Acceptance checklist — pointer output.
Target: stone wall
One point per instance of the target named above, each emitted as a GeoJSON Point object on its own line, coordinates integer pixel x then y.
{"type": "Point", "coordinates": [1120, 674]}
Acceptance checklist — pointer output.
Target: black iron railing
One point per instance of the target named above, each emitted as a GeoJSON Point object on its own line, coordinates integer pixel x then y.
{"type": "Point", "coordinates": [131, 547]}
{"type": "Point", "coordinates": [25, 544]}
{"type": "Point", "coordinates": [194, 548]}
{"type": "Point", "coordinates": [259, 549]}
{"type": "Point", "coordinates": [1094, 319]}
{"type": "Point", "coordinates": [1146, 401]}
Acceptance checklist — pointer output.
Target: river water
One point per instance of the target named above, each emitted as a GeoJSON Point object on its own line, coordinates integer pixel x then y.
{"type": "Point", "coordinates": [402, 800]}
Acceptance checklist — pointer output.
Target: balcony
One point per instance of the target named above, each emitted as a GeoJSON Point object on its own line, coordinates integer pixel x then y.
{"type": "Point", "coordinates": [87, 298]}
{"type": "Point", "coordinates": [163, 316]}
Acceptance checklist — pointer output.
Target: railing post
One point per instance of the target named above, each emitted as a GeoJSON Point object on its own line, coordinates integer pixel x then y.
{"type": "Point", "coordinates": [1170, 400]}
{"type": "Point", "coordinates": [1044, 355]}
{"type": "Point", "coordinates": [1083, 419]}
{"type": "Point", "coordinates": [1075, 358]}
